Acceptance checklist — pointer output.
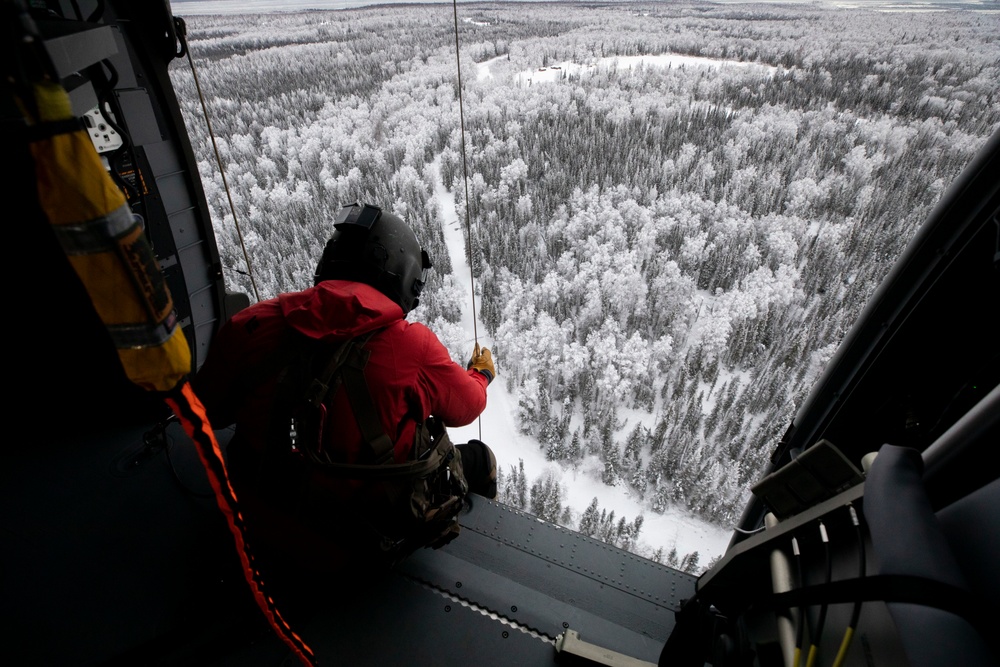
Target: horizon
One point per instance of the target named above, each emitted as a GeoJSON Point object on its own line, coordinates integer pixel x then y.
{"type": "Point", "coordinates": [269, 6]}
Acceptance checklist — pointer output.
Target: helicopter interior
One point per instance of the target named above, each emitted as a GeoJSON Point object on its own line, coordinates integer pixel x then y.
{"type": "Point", "coordinates": [877, 519]}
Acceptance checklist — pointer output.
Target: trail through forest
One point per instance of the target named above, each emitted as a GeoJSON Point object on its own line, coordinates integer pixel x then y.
{"type": "Point", "coordinates": [671, 530]}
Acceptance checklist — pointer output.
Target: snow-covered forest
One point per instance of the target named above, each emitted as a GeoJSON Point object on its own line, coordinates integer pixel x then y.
{"type": "Point", "coordinates": [678, 210]}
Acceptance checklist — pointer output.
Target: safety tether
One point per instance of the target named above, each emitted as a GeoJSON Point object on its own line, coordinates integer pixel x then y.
{"type": "Point", "coordinates": [189, 409]}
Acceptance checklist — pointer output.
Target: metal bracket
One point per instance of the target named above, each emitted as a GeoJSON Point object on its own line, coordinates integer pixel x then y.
{"type": "Point", "coordinates": [570, 644]}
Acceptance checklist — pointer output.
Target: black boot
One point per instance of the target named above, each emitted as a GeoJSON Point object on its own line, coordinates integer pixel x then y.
{"type": "Point", "coordinates": [480, 467]}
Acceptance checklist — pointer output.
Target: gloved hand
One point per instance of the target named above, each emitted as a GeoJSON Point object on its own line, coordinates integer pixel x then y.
{"type": "Point", "coordinates": [482, 361]}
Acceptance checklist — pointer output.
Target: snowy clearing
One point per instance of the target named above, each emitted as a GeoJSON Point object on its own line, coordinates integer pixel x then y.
{"type": "Point", "coordinates": [668, 60]}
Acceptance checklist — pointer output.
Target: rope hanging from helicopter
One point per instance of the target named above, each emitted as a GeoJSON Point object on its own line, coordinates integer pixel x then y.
{"type": "Point", "coordinates": [465, 175]}
{"type": "Point", "coordinates": [468, 208]}
{"type": "Point", "coordinates": [185, 51]}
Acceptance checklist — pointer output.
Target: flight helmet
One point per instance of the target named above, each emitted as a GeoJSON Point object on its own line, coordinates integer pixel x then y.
{"type": "Point", "coordinates": [379, 249]}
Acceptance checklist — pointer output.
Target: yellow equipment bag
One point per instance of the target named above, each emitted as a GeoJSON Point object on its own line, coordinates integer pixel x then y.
{"type": "Point", "coordinates": [106, 245]}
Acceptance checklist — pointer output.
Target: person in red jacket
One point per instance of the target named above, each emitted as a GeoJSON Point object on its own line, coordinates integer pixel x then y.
{"type": "Point", "coordinates": [370, 276]}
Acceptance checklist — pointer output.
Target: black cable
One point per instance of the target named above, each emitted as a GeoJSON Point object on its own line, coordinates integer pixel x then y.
{"type": "Point", "coordinates": [157, 439]}
{"type": "Point", "coordinates": [862, 565]}
{"type": "Point", "coordinates": [856, 610]}
{"type": "Point", "coordinates": [821, 621]}
{"type": "Point", "coordinates": [901, 588]}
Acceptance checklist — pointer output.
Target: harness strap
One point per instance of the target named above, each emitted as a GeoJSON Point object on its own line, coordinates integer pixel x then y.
{"type": "Point", "coordinates": [362, 471]}
{"type": "Point", "coordinates": [319, 387]}
{"type": "Point", "coordinates": [382, 448]}
{"type": "Point", "coordinates": [347, 364]}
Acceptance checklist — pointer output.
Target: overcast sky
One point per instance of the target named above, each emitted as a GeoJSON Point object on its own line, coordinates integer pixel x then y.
{"type": "Point", "coordinates": [181, 7]}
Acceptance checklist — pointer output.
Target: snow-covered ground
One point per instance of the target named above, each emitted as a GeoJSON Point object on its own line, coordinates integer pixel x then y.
{"type": "Point", "coordinates": [497, 427]}
{"type": "Point", "coordinates": [483, 69]}
{"type": "Point", "coordinates": [556, 72]}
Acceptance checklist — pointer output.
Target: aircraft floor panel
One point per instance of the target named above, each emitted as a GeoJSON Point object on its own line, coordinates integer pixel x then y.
{"type": "Point", "coordinates": [487, 594]}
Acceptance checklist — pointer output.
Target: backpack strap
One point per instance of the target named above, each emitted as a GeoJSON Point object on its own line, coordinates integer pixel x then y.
{"type": "Point", "coordinates": [346, 364]}
{"type": "Point", "coordinates": [381, 448]}
{"type": "Point", "coordinates": [320, 387]}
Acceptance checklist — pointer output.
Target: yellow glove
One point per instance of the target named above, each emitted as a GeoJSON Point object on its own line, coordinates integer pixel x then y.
{"type": "Point", "coordinates": [482, 361]}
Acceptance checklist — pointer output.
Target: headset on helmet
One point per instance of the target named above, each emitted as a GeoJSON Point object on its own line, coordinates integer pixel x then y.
{"type": "Point", "coordinates": [376, 248]}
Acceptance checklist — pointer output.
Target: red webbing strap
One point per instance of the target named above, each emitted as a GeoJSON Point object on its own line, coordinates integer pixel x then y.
{"type": "Point", "coordinates": [188, 408]}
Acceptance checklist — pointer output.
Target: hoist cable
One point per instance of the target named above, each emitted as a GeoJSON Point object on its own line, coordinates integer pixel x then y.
{"type": "Point", "coordinates": [465, 176]}
{"type": "Point", "coordinates": [182, 36]}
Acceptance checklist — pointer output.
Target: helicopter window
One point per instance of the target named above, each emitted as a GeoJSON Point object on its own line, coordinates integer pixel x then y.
{"type": "Point", "coordinates": [676, 213]}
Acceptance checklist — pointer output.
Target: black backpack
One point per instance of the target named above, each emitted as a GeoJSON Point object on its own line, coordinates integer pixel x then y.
{"type": "Point", "coordinates": [378, 510]}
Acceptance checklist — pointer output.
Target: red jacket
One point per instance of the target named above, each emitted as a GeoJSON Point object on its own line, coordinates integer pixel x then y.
{"type": "Point", "coordinates": [409, 371]}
